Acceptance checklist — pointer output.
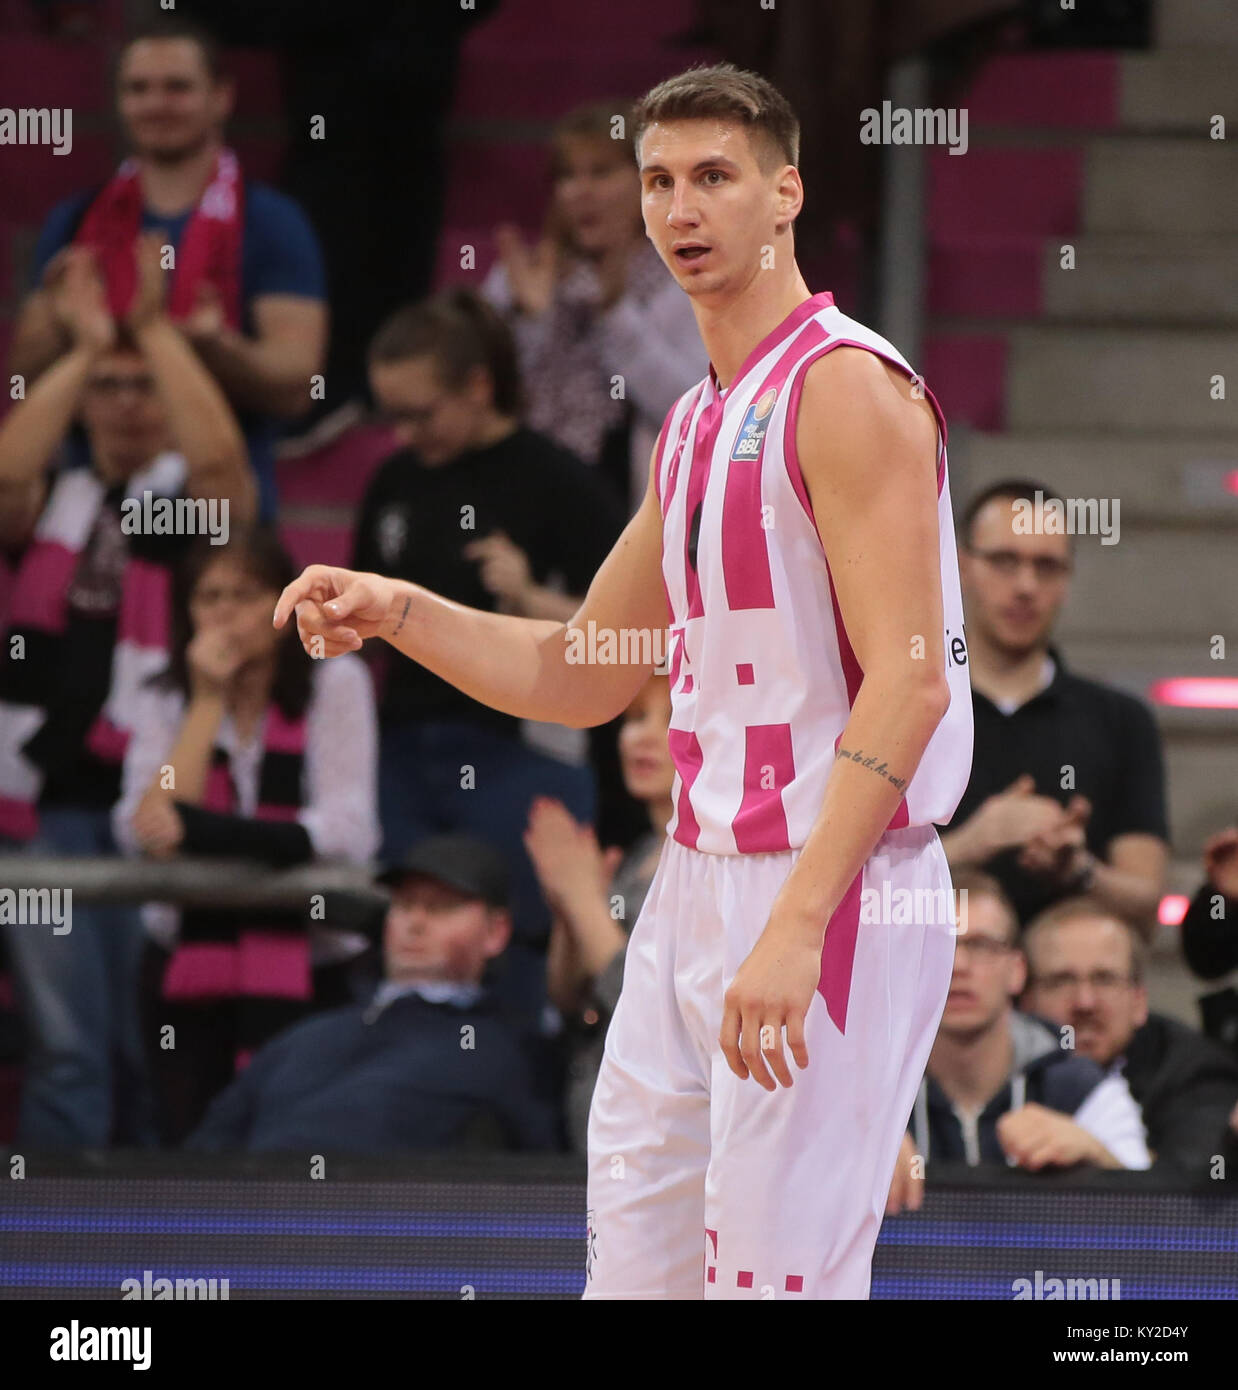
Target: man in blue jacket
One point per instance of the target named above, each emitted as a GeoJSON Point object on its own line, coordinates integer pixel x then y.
{"type": "Point", "coordinates": [431, 1063]}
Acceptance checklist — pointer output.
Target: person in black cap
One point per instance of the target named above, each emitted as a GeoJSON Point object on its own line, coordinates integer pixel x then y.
{"type": "Point", "coordinates": [432, 1062]}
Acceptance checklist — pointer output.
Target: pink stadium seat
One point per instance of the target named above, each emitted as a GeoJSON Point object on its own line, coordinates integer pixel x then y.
{"type": "Point", "coordinates": [336, 475]}
{"type": "Point", "coordinates": [317, 545]}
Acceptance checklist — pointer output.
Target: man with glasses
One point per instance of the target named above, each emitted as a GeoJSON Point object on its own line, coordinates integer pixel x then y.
{"type": "Point", "coordinates": [1067, 786]}
{"type": "Point", "coordinates": [1003, 1086]}
{"type": "Point", "coordinates": [1085, 973]}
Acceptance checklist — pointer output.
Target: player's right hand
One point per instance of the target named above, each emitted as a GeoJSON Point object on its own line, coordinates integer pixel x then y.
{"type": "Point", "coordinates": [336, 609]}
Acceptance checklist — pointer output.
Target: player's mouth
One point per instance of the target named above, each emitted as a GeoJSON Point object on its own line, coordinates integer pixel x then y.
{"type": "Point", "coordinates": [687, 252]}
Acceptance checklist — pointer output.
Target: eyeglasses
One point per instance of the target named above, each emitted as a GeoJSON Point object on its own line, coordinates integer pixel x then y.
{"type": "Point", "coordinates": [1099, 982]}
{"type": "Point", "coordinates": [983, 946]}
{"type": "Point", "coordinates": [1007, 563]}
{"type": "Point", "coordinates": [114, 385]}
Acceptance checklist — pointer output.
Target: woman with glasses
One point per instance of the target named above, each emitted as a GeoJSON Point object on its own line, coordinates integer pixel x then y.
{"type": "Point", "coordinates": [244, 748]}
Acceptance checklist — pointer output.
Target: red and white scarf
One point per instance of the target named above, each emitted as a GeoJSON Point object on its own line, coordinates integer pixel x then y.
{"type": "Point", "coordinates": [209, 250]}
{"type": "Point", "coordinates": [40, 605]}
{"type": "Point", "coordinates": [261, 962]}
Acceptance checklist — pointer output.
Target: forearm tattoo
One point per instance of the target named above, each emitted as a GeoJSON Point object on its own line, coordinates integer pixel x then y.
{"type": "Point", "coordinates": [408, 603]}
{"type": "Point", "coordinates": [873, 762]}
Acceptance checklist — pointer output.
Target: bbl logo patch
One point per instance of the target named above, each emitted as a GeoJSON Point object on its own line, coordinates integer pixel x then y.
{"type": "Point", "coordinates": [752, 432]}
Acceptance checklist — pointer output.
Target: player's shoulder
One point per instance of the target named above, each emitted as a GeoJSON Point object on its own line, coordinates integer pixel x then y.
{"type": "Point", "coordinates": [851, 384]}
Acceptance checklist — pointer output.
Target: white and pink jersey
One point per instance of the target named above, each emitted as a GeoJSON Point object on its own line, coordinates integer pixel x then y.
{"type": "Point", "coordinates": [762, 672]}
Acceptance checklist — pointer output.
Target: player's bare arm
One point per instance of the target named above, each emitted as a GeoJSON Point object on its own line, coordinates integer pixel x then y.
{"type": "Point", "coordinates": [513, 664]}
{"type": "Point", "coordinates": [867, 448]}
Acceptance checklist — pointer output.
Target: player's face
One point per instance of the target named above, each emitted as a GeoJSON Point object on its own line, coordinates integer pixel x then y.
{"type": "Point", "coordinates": [597, 192]}
{"type": "Point", "coordinates": [648, 771]}
{"type": "Point", "coordinates": [988, 971]}
{"type": "Point", "coordinates": [1014, 584]}
{"type": "Point", "coordinates": [709, 209]}
{"type": "Point", "coordinates": [435, 932]}
{"type": "Point", "coordinates": [123, 415]}
{"type": "Point", "coordinates": [433, 420]}
{"type": "Point", "coordinates": [169, 104]}
{"type": "Point", "coordinates": [1081, 976]}
{"type": "Point", "coordinates": [228, 598]}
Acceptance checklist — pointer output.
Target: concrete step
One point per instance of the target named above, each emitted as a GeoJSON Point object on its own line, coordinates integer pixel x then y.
{"type": "Point", "coordinates": [1159, 480]}
{"type": "Point", "coordinates": [1137, 662]}
{"type": "Point", "coordinates": [976, 279]}
{"type": "Point", "coordinates": [1166, 585]}
{"type": "Point", "coordinates": [1143, 279]}
{"type": "Point", "coordinates": [1171, 186]}
{"type": "Point", "coordinates": [1196, 23]}
{"type": "Point", "coordinates": [1201, 778]}
{"type": "Point", "coordinates": [1176, 89]}
{"type": "Point", "coordinates": [1132, 381]}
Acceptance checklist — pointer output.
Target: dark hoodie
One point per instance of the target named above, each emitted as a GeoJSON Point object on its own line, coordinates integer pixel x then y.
{"type": "Point", "coordinates": [1187, 1088]}
{"type": "Point", "coordinates": [1042, 1072]}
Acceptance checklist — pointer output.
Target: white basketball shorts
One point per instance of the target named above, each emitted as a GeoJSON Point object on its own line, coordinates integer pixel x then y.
{"type": "Point", "coordinates": [702, 1185]}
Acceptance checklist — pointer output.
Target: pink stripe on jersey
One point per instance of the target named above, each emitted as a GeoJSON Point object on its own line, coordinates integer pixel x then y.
{"type": "Point", "coordinates": [672, 472]}
{"type": "Point", "coordinates": [745, 541]}
{"type": "Point", "coordinates": [676, 655]}
{"type": "Point", "coordinates": [838, 954]}
{"type": "Point", "coordinates": [699, 468]}
{"type": "Point", "coordinates": [760, 824]}
{"type": "Point", "coordinates": [685, 750]}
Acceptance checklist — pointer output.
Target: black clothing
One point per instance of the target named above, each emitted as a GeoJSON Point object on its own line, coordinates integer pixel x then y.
{"type": "Point", "coordinates": [1102, 742]}
{"type": "Point", "coordinates": [416, 522]}
{"type": "Point", "coordinates": [1187, 1088]}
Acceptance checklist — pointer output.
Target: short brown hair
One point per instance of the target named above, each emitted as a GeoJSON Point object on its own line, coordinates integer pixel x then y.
{"type": "Point", "coordinates": [459, 331]}
{"type": "Point", "coordinates": [173, 28]}
{"type": "Point", "coordinates": [1081, 909]}
{"type": "Point", "coordinates": [725, 92]}
{"type": "Point", "coordinates": [976, 883]}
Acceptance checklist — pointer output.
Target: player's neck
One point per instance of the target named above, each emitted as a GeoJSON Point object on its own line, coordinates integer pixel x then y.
{"type": "Point", "coordinates": [972, 1067]}
{"type": "Point", "coordinates": [731, 328]}
{"type": "Point", "coordinates": [1001, 674]}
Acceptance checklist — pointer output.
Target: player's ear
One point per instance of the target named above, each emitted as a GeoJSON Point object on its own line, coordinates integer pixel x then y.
{"type": "Point", "coordinates": [790, 195]}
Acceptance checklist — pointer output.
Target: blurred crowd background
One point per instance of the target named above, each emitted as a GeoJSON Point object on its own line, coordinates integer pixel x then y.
{"type": "Point", "coordinates": [413, 325]}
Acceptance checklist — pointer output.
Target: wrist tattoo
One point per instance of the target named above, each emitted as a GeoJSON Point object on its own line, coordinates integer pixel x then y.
{"type": "Point", "coordinates": [408, 603]}
{"type": "Point", "coordinates": [871, 762]}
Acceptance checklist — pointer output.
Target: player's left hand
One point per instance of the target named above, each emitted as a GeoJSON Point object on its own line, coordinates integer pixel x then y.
{"type": "Point", "coordinates": [771, 991]}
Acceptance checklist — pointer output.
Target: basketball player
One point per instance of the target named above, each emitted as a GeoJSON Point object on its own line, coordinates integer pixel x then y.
{"type": "Point", "coordinates": [796, 539]}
